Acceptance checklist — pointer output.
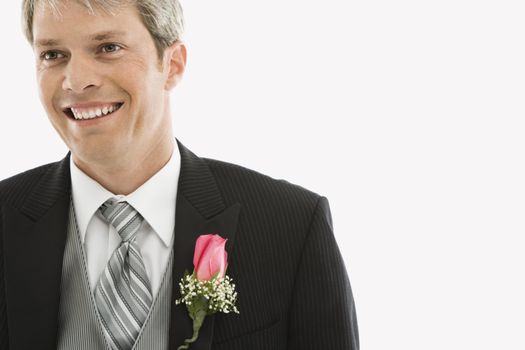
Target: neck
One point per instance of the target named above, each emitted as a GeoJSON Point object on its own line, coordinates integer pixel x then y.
{"type": "Point", "coordinates": [126, 174]}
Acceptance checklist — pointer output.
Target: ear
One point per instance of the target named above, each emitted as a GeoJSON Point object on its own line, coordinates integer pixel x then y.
{"type": "Point", "coordinates": [175, 63]}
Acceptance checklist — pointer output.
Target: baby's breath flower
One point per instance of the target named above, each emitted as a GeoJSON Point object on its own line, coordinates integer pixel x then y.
{"type": "Point", "coordinates": [219, 294]}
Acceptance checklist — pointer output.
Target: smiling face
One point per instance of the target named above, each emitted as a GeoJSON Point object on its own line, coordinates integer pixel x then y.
{"type": "Point", "coordinates": [101, 82]}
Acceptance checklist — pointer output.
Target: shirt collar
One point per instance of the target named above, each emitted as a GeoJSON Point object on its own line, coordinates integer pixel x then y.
{"type": "Point", "coordinates": [154, 200]}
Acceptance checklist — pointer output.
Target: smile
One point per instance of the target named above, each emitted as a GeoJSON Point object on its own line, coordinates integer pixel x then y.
{"type": "Point", "coordinates": [79, 113]}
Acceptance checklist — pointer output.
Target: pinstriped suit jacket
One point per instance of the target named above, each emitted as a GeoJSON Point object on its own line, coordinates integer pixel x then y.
{"type": "Point", "coordinates": [293, 289]}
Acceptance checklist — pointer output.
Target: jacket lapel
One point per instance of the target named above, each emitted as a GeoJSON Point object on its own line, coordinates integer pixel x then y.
{"type": "Point", "coordinates": [35, 236]}
{"type": "Point", "coordinates": [34, 239]}
{"type": "Point", "coordinates": [199, 210]}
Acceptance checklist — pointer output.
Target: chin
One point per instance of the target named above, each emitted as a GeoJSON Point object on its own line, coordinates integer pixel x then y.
{"type": "Point", "coordinates": [95, 153]}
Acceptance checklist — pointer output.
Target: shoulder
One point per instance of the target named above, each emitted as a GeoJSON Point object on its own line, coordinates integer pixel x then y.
{"type": "Point", "coordinates": [238, 183]}
{"type": "Point", "coordinates": [15, 189]}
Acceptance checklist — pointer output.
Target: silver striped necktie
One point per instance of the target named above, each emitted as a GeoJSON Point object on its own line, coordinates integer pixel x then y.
{"type": "Point", "coordinates": [123, 293]}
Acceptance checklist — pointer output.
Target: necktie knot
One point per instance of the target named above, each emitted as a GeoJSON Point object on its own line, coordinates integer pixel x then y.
{"type": "Point", "coordinates": [123, 217]}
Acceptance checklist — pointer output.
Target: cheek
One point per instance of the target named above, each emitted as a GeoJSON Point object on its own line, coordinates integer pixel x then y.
{"type": "Point", "coordinates": [145, 92]}
{"type": "Point", "coordinates": [47, 88]}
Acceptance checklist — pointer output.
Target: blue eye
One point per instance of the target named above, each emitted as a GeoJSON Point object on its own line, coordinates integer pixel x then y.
{"type": "Point", "coordinates": [51, 55]}
{"type": "Point", "coordinates": [109, 48]}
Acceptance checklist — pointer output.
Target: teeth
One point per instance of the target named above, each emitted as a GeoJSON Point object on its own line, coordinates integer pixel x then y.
{"type": "Point", "coordinates": [93, 113]}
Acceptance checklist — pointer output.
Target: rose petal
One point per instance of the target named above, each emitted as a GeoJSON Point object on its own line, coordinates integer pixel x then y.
{"type": "Point", "coordinates": [200, 247]}
{"type": "Point", "coordinates": [216, 262]}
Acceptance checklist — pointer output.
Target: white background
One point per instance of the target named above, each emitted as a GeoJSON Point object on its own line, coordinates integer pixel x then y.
{"type": "Point", "coordinates": [407, 115]}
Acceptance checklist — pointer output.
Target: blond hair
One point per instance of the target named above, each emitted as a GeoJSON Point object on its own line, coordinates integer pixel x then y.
{"type": "Point", "coordinates": [163, 18]}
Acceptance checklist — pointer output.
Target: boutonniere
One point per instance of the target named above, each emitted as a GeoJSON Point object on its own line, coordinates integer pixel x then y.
{"type": "Point", "coordinates": [207, 290]}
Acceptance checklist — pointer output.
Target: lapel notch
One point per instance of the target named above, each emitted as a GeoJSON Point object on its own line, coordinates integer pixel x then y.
{"type": "Point", "coordinates": [199, 210]}
{"type": "Point", "coordinates": [34, 240]}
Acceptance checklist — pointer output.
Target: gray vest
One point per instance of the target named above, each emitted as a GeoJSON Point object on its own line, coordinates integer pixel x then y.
{"type": "Point", "coordinates": [79, 324]}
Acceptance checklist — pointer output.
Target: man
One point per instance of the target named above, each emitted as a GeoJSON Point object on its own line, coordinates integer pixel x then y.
{"type": "Point", "coordinates": [105, 70]}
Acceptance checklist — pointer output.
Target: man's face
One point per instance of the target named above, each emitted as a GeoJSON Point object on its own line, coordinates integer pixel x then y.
{"type": "Point", "coordinates": [100, 81]}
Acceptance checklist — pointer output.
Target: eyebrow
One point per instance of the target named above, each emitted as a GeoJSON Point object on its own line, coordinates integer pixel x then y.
{"type": "Point", "coordinates": [46, 42]}
{"type": "Point", "coordinates": [96, 37]}
{"type": "Point", "coordinates": [107, 35]}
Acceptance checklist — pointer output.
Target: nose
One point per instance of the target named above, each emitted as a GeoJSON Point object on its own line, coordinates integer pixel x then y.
{"type": "Point", "coordinates": [80, 75]}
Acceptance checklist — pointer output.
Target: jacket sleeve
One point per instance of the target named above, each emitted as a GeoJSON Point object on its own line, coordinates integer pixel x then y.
{"type": "Point", "coordinates": [322, 312]}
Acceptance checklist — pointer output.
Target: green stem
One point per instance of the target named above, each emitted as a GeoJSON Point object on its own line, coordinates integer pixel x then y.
{"type": "Point", "coordinates": [198, 320]}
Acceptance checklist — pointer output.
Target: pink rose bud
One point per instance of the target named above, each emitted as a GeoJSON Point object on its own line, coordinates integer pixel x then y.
{"type": "Point", "coordinates": [210, 257]}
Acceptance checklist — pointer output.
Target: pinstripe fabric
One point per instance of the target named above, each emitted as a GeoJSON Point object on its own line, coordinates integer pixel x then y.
{"type": "Point", "coordinates": [26, 199]}
{"type": "Point", "coordinates": [155, 333]}
{"type": "Point", "coordinates": [78, 325]}
{"type": "Point", "coordinates": [123, 293]}
{"type": "Point", "coordinates": [297, 295]}
{"type": "Point", "coordinates": [4, 340]}
{"type": "Point", "coordinates": [291, 280]}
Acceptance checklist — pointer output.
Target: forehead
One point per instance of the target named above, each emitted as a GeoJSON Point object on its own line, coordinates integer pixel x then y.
{"type": "Point", "coordinates": [72, 20]}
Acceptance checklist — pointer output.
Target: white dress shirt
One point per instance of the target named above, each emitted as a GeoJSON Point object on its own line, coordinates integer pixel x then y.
{"type": "Point", "coordinates": [154, 200]}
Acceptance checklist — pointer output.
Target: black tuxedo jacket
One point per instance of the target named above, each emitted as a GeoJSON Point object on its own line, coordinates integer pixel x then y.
{"type": "Point", "coordinates": [293, 289]}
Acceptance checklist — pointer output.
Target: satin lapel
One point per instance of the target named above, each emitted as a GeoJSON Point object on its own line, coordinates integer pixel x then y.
{"type": "Point", "coordinates": [34, 239]}
{"type": "Point", "coordinates": [199, 210]}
